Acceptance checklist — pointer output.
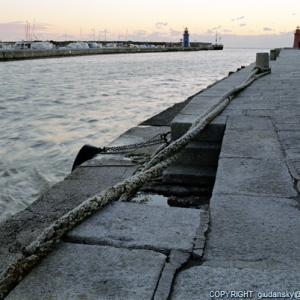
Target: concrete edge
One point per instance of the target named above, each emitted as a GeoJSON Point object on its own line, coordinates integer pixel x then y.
{"type": "Point", "coordinates": [176, 260]}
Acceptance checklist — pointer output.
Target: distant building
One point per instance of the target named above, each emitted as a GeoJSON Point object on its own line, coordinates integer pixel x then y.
{"type": "Point", "coordinates": [297, 38]}
{"type": "Point", "coordinates": [185, 40]}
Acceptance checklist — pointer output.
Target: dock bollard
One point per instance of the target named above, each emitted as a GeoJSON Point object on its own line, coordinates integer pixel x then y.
{"type": "Point", "coordinates": [277, 51]}
{"type": "Point", "coordinates": [273, 55]}
{"type": "Point", "coordinates": [262, 60]}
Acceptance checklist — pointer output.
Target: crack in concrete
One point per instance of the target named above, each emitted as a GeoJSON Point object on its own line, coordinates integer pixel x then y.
{"type": "Point", "coordinates": [176, 260]}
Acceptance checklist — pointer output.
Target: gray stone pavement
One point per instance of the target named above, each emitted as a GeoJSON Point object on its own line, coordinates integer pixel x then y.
{"type": "Point", "coordinates": [253, 240]}
{"type": "Point", "coordinates": [247, 241]}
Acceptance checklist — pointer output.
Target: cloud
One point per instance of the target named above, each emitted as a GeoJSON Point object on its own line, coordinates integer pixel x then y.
{"type": "Point", "coordinates": [243, 24]}
{"type": "Point", "coordinates": [156, 34]}
{"type": "Point", "coordinates": [21, 25]}
{"type": "Point", "coordinates": [15, 31]}
{"type": "Point", "coordinates": [67, 37]}
{"type": "Point", "coordinates": [267, 29]}
{"type": "Point", "coordinates": [140, 32]}
{"type": "Point", "coordinates": [159, 25]}
{"type": "Point", "coordinates": [213, 30]}
{"type": "Point", "coordinates": [240, 18]}
{"type": "Point", "coordinates": [286, 32]}
{"type": "Point", "coordinates": [209, 31]}
{"type": "Point", "coordinates": [12, 24]}
{"type": "Point", "coordinates": [226, 30]}
{"type": "Point", "coordinates": [175, 32]}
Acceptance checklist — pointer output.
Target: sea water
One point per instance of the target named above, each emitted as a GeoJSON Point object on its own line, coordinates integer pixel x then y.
{"type": "Point", "coordinates": [50, 108]}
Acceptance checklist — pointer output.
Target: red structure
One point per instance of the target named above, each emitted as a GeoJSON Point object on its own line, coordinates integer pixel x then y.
{"type": "Point", "coordinates": [297, 38]}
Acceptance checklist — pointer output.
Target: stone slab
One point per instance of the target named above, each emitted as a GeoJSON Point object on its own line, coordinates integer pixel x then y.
{"type": "Point", "coordinates": [293, 154]}
{"type": "Point", "coordinates": [75, 271]}
{"type": "Point", "coordinates": [290, 139]}
{"type": "Point", "coordinates": [236, 104]}
{"type": "Point", "coordinates": [255, 177]}
{"type": "Point", "coordinates": [288, 116]}
{"type": "Point", "coordinates": [254, 229]}
{"type": "Point", "coordinates": [204, 283]}
{"type": "Point", "coordinates": [213, 132]}
{"type": "Point", "coordinates": [214, 92]}
{"type": "Point", "coordinates": [296, 165]}
{"type": "Point", "coordinates": [204, 99]}
{"type": "Point", "coordinates": [249, 123]}
{"type": "Point", "coordinates": [269, 265]}
{"type": "Point", "coordinates": [140, 226]}
{"type": "Point", "coordinates": [233, 112]}
{"type": "Point", "coordinates": [200, 153]}
{"type": "Point", "coordinates": [285, 103]}
{"type": "Point", "coordinates": [288, 127]}
{"type": "Point", "coordinates": [251, 144]}
{"type": "Point", "coordinates": [198, 108]}
{"type": "Point", "coordinates": [24, 227]}
{"type": "Point", "coordinates": [244, 95]}
{"type": "Point", "coordinates": [260, 112]}
{"type": "Point", "coordinates": [227, 84]}
{"type": "Point", "coordinates": [104, 176]}
{"type": "Point", "coordinates": [294, 169]}
{"type": "Point", "coordinates": [80, 185]}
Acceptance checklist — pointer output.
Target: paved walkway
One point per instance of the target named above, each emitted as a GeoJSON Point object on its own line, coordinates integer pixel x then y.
{"type": "Point", "coordinates": [247, 242]}
{"type": "Point", "coordinates": [253, 240]}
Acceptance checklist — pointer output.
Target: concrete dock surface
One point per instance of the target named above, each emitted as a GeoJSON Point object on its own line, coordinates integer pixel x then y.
{"type": "Point", "coordinates": [238, 236]}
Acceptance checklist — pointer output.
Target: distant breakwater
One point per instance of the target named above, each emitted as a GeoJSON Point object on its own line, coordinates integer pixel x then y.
{"type": "Point", "coordinates": [33, 54]}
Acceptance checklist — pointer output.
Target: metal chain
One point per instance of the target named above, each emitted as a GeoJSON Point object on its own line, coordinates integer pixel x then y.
{"type": "Point", "coordinates": [162, 139]}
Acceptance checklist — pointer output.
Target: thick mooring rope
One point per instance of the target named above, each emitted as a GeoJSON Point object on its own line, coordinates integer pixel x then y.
{"type": "Point", "coordinates": [204, 119]}
{"type": "Point", "coordinates": [159, 162]}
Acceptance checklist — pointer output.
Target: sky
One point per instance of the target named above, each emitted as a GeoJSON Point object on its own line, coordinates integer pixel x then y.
{"type": "Point", "coordinates": [237, 23]}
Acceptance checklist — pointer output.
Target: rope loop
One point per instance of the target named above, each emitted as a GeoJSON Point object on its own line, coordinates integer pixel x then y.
{"type": "Point", "coordinates": [261, 69]}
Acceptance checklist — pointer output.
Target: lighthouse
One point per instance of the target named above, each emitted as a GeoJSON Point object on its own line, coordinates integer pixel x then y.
{"type": "Point", "coordinates": [185, 41]}
{"type": "Point", "coordinates": [297, 38]}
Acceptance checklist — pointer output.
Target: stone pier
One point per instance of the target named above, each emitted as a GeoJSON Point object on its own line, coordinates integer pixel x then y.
{"type": "Point", "coordinates": [229, 226]}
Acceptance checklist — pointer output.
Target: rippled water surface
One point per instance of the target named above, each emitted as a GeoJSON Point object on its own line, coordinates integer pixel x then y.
{"type": "Point", "coordinates": [49, 108]}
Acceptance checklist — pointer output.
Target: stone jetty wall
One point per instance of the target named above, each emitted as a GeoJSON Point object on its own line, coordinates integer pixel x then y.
{"type": "Point", "coordinates": [30, 54]}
